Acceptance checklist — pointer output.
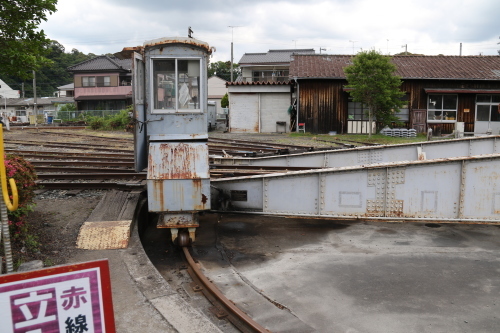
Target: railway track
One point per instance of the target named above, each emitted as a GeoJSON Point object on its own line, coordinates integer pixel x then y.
{"type": "Point", "coordinates": [225, 308]}
{"type": "Point", "coordinates": [93, 162]}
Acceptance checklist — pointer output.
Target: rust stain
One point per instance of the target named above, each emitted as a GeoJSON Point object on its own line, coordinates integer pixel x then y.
{"type": "Point", "coordinates": [177, 220]}
{"type": "Point", "coordinates": [197, 184]}
{"type": "Point", "coordinates": [185, 41]}
{"type": "Point", "coordinates": [178, 161]}
{"type": "Point", "coordinates": [158, 194]}
{"type": "Point", "coordinates": [127, 52]}
{"type": "Point", "coordinates": [197, 192]}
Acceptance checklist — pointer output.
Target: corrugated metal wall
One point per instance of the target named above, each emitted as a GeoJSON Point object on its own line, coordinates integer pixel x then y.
{"type": "Point", "coordinates": [244, 115]}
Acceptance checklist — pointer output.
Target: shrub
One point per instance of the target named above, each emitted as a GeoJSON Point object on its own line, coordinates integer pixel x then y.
{"type": "Point", "coordinates": [24, 175]}
{"type": "Point", "coordinates": [96, 123]}
{"type": "Point", "coordinates": [224, 102]}
{"type": "Point", "coordinates": [118, 121]}
{"type": "Point", "coordinates": [68, 107]}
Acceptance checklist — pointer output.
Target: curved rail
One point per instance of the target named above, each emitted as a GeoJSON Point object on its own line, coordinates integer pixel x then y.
{"type": "Point", "coordinates": [242, 317]}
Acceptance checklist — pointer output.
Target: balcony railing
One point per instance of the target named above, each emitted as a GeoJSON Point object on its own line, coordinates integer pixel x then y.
{"type": "Point", "coordinates": [265, 79]}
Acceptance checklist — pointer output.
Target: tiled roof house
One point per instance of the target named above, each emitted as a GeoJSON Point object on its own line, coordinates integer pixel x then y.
{"type": "Point", "coordinates": [441, 91]}
{"type": "Point", "coordinates": [102, 83]}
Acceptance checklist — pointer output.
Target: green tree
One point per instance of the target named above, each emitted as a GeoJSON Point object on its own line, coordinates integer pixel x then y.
{"type": "Point", "coordinates": [222, 69]}
{"type": "Point", "coordinates": [224, 102]}
{"type": "Point", "coordinates": [49, 77]}
{"type": "Point", "coordinates": [373, 83]}
{"type": "Point", "coordinates": [22, 47]}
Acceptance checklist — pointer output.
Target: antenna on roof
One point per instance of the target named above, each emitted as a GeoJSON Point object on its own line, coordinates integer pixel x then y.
{"type": "Point", "coordinates": [321, 49]}
{"type": "Point", "coordinates": [353, 41]}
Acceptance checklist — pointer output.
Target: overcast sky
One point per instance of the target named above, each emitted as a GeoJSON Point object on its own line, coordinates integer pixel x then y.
{"type": "Point", "coordinates": [340, 26]}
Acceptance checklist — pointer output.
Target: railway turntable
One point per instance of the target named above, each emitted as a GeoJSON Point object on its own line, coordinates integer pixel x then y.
{"type": "Point", "coordinates": [454, 181]}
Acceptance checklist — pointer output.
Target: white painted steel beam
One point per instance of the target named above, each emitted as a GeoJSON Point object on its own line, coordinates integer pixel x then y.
{"type": "Point", "coordinates": [454, 189]}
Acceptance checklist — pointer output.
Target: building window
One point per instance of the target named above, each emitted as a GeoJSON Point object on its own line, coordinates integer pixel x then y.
{"type": "Point", "coordinates": [404, 112]}
{"type": "Point", "coordinates": [487, 108]}
{"type": "Point", "coordinates": [357, 111]}
{"type": "Point", "coordinates": [176, 85]}
{"type": "Point", "coordinates": [103, 81]}
{"type": "Point", "coordinates": [442, 108]}
{"type": "Point", "coordinates": [88, 81]}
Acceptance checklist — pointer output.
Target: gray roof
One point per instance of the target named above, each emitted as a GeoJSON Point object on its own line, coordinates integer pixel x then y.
{"type": "Point", "coordinates": [69, 86]}
{"type": "Point", "coordinates": [272, 56]}
{"type": "Point", "coordinates": [102, 63]}
{"type": "Point", "coordinates": [40, 101]}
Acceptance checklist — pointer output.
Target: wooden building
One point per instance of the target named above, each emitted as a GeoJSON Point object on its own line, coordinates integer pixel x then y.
{"type": "Point", "coordinates": [441, 91]}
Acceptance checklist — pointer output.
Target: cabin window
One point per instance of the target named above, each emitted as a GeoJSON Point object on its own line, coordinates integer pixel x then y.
{"type": "Point", "coordinates": [442, 108]}
{"type": "Point", "coordinates": [487, 108]}
{"type": "Point", "coordinates": [176, 85]}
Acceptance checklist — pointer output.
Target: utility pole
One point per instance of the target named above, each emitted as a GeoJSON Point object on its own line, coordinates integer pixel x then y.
{"type": "Point", "coordinates": [406, 48]}
{"type": "Point", "coordinates": [498, 44]}
{"type": "Point", "coordinates": [232, 35]}
{"type": "Point", "coordinates": [460, 49]}
{"type": "Point", "coordinates": [35, 111]}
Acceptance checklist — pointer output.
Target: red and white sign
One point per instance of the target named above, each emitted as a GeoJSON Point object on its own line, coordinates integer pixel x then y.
{"type": "Point", "coordinates": [67, 299]}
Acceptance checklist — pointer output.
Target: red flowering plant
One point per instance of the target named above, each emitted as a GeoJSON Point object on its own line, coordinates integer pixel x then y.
{"type": "Point", "coordinates": [24, 175]}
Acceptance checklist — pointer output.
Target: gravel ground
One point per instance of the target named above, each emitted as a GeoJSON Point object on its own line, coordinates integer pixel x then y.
{"type": "Point", "coordinates": [54, 226]}
{"type": "Point", "coordinates": [55, 222]}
